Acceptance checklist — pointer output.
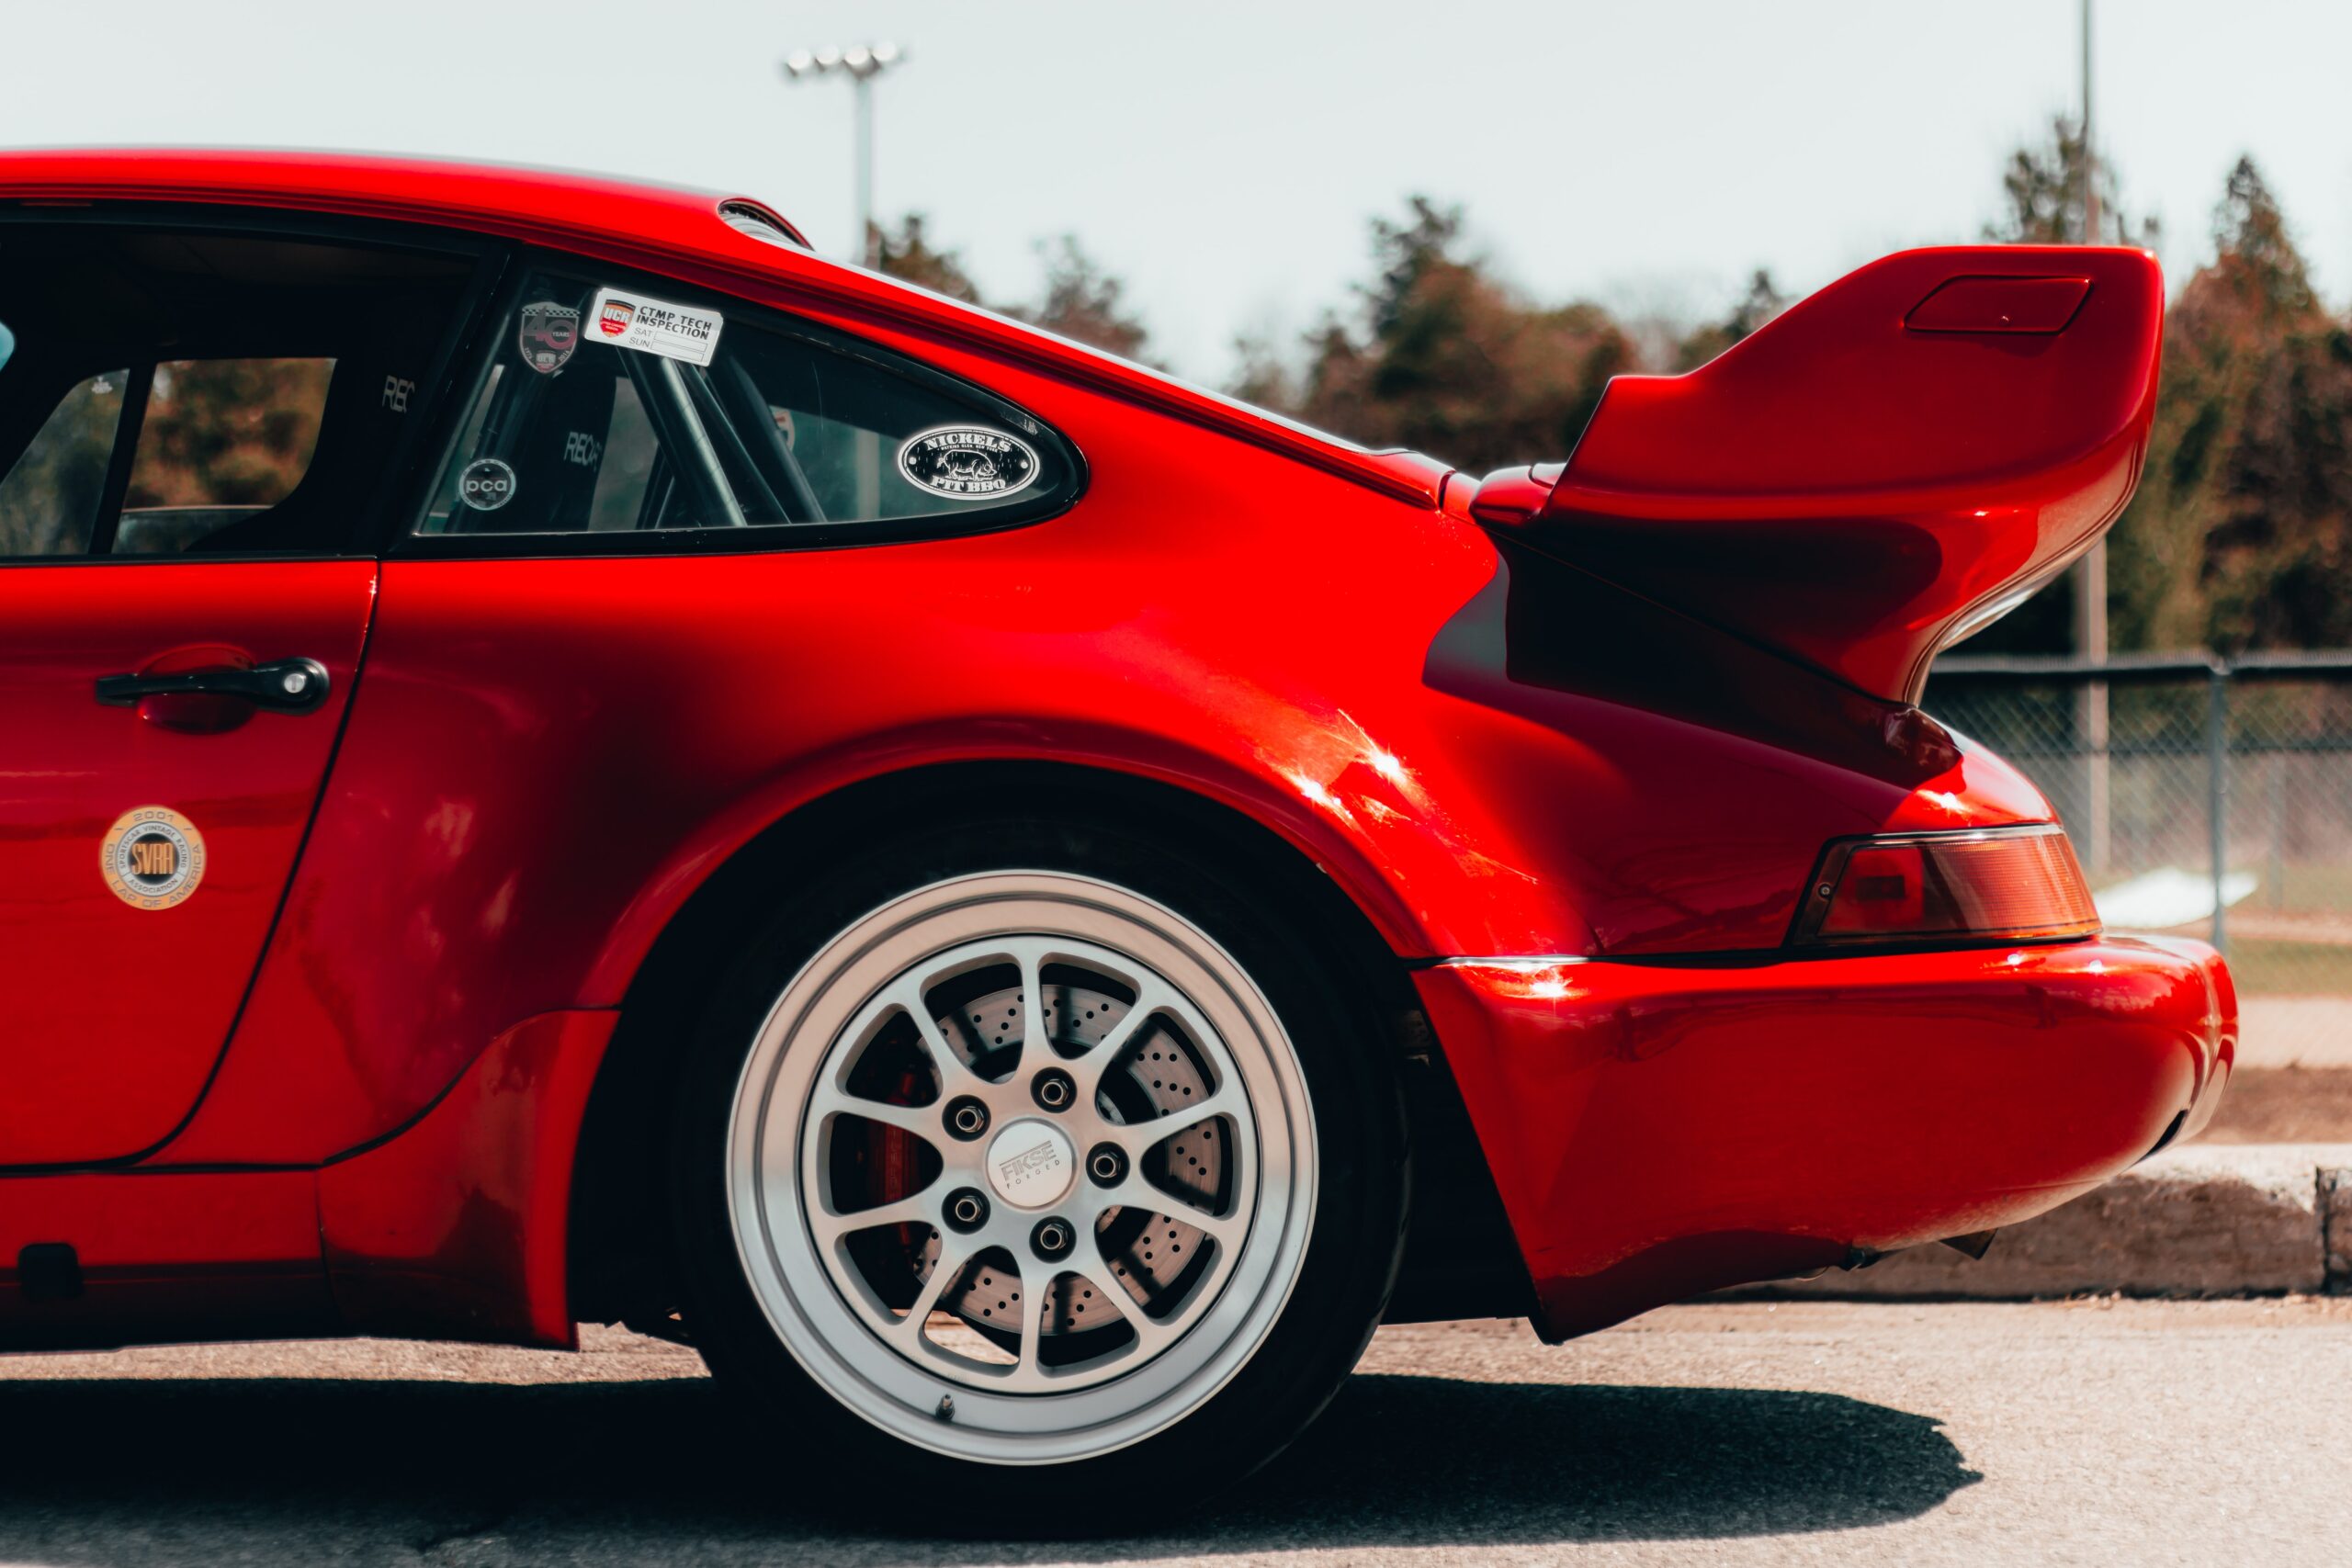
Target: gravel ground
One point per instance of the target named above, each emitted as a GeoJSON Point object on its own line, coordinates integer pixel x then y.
{"type": "Point", "coordinates": [1799, 1432]}
{"type": "Point", "coordinates": [2294, 1083]}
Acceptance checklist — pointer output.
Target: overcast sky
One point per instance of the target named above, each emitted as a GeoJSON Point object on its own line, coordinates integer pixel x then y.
{"type": "Point", "coordinates": [1223, 158]}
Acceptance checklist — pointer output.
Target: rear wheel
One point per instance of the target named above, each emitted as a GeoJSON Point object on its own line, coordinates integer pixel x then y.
{"type": "Point", "coordinates": [1041, 1155]}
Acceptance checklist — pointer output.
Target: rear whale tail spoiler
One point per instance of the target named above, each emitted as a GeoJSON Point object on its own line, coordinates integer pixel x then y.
{"type": "Point", "coordinates": [1883, 468]}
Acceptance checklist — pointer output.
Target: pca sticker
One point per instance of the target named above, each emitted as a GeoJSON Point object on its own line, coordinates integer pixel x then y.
{"type": "Point", "coordinates": [628, 319]}
{"type": "Point", "coordinates": [153, 857]}
{"type": "Point", "coordinates": [486, 484]}
{"type": "Point", "coordinates": [968, 462]}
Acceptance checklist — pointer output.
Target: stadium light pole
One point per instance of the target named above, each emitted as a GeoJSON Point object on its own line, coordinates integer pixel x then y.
{"type": "Point", "coordinates": [2090, 158]}
{"type": "Point", "coordinates": [2091, 577]}
{"type": "Point", "coordinates": [860, 64]}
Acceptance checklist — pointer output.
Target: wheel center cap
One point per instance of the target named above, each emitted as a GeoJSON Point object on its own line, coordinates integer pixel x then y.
{"type": "Point", "coordinates": [1031, 1164]}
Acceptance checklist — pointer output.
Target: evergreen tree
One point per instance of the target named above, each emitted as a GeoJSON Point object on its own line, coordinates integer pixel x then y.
{"type": "Point", "coordinates": [2241, 535]}
{"type": "Point", "coordinates": [910, 256]}
{"type": "Point", "coordinates": [1759, 305]}
{"type": "Point", "coordinates": [1442, 357]}
{"type": "Point", "coordinates": [2042, 188]}
{"type": "Point", "coordinates": [1085, 303]}
{"type": "Point", "coordinates": [2041, 196]}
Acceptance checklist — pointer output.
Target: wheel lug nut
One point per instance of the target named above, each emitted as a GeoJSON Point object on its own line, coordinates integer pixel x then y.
{"type": "Point", "coordinates": [967, 1210]}
{"type": "Point", "coordinates": [1053, 1089]}
{"type": "Point", "coordinates": [966, 1117]}
{"type": "Point", "coordinates": [1052, 1239]}
{"type": "Point", "coordinates": [1107, 1164]}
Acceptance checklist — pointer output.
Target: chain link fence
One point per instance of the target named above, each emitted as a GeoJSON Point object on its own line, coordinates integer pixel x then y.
{"type": "Point", "coordinates": [2205, 799]}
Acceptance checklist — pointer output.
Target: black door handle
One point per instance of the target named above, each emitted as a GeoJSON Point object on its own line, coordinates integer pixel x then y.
{"type": "Point", "coordinates": [284, 685]}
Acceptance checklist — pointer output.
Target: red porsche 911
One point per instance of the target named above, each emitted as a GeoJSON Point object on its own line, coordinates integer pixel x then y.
{"type": "Point", "coordinates": [570, 761]}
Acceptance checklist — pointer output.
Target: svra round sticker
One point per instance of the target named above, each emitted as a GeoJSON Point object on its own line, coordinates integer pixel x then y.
{"type": "Point", "coordinates": [153, 858]}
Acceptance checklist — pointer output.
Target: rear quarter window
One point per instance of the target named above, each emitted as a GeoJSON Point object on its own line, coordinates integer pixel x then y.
{"type": "Point", "coordinates": [611, 416]}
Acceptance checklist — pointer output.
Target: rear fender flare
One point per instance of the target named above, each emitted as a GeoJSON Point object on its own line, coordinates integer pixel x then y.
{"type": "Point", "coordinates": [1376, 872]}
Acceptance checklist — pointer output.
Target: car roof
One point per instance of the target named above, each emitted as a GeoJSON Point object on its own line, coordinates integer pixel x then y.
{"type": "Point", "coordinates": [659, 227]}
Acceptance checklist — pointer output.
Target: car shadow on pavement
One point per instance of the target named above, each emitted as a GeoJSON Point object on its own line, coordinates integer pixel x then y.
{"type": "Point", "coordinates": [290, 1470]}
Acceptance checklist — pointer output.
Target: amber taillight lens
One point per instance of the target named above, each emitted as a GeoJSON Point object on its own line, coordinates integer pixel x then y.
{"type": "Point", "coordinates": [1999, 885]}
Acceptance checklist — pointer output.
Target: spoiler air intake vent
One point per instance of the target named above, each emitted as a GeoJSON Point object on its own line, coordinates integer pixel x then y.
{"type": "Point", "coordinates": [750, 217]}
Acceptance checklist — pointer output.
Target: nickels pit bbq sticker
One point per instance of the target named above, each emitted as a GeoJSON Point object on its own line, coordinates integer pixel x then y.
{"type": "Point", "coordinates": [153, 857]}
{"type": "Point", "coordinates": [549, 335]}
{"type": "Point", "coordinates": [968, 462]}
{"type": "Point", "coordinates": [627, 318]}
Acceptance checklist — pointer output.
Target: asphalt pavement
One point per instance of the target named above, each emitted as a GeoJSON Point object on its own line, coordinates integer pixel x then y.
{"type": "Point", "coordinates": [2090, 1432]}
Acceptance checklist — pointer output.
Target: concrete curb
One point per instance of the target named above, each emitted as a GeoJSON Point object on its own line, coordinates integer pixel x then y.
{"type": "Point", "coordinates": [2207, 1220]}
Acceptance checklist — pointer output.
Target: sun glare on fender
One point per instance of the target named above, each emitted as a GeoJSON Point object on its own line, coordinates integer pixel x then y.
{"type": "Point", "coordinates": [2001, 884]}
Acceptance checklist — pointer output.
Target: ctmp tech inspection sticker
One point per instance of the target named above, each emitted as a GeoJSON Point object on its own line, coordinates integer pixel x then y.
{"type": "Point", "coordinates": [968, 462]}
{"type": "Point", "coordinates": [153, 857]}
{"type": "Point", "coordinates": [627, 318]}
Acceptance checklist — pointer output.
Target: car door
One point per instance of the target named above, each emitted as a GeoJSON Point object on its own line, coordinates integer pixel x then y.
{"type": "Point", "coordinates": [625, 604]}
{"type": "Point", "coordinates": [194, 422]}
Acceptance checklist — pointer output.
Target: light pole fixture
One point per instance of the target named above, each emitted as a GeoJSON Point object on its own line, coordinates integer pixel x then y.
{"type": "Point", "coordinates": [860, 64]}
{"type": "Point", "coordinates": [2090, 584]}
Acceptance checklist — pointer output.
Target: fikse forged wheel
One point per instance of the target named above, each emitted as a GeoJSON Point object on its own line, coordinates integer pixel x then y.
{"type": "Point", "coordinates": [1028, 1170]}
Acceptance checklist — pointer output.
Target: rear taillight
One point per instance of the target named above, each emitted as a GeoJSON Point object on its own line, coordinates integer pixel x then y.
{"type": "Point", "coordinates": [1998, 885]}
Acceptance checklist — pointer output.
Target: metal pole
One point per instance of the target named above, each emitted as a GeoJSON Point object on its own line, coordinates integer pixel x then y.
{"type": "Point", "coordinates": [864, 445]}
{"type": "Point", "coordinates": [2217, 791]}
{"type": "Point", "coordinates": [861, 65]}
{"type": "Point", "coordinates": [2090, 158]}
{"type": "Point", "coordinates": [2091, 577]}
{"type": "Point", "coordinates": [867, 250]}
{"type": "Point", "coordinates": [2091, 717]}
{"type": "Point", "coordinates": [2280, 761]}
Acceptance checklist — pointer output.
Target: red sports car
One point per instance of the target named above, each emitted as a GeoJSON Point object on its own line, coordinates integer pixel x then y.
{"type": "Point", "coordinates": [567, 759]}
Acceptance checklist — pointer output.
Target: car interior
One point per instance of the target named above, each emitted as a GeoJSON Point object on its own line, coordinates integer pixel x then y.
{"type": "Point", "coordinates": [782, 427]}
{"type": "Point", "coordinates": [184, 392]}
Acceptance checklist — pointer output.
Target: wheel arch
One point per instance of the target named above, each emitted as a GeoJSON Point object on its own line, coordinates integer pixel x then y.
{"type": "Point", "coordinates": [615, 1230]}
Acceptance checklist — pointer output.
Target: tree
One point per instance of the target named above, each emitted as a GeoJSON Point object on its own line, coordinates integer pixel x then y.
{"type": "Point", "coordinates": [227, 432]}
{"type": "Point", "coordinates": [910, 256]}
{"type": "Point", "coordinates": [1442, 356]}
{"type": "Point", "coordinates": [2254, 260]}
{"type": "Point", "coordinates": [2042, 193]}
{"type": "Point", "coordinates": [1262, 374]}
{"type": "Point", "coordinates": [2043, 188]}
{"type": "Point", "coordinates": [1759, 305]}
{"type": "Point", "coordinates": [1084, 302]}
{"type": "Point", "coordinates": [2241, 533]}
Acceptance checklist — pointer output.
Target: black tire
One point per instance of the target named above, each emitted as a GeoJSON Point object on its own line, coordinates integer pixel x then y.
{"type": "Point", "coordinates": [1332, 1012]}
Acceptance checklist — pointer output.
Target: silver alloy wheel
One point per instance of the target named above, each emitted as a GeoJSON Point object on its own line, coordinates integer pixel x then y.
{"type": "Point", "coordinates": [1022, 1166]}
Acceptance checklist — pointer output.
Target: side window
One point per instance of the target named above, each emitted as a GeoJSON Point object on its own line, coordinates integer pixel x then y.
{"type": "Point", "coordinates": [49, 502]}
{"type": "Point", "coordinates": [563, 438]}
{"type": "Point", "coordinates": [608, 409]}
{"type": "Point", "coordinates": [185, 390]}
{"type": "Point", "coordinates": [873, 444]}
{"type": "Point", "coordinates": [223, 440]}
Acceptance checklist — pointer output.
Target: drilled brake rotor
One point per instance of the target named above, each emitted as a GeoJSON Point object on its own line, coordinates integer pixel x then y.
{"type": "Point", "coordinates": [1159, 1073]}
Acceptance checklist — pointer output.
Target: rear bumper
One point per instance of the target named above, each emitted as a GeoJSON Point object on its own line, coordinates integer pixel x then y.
{"type": "Point", "coordinates": [1657, 1130]}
